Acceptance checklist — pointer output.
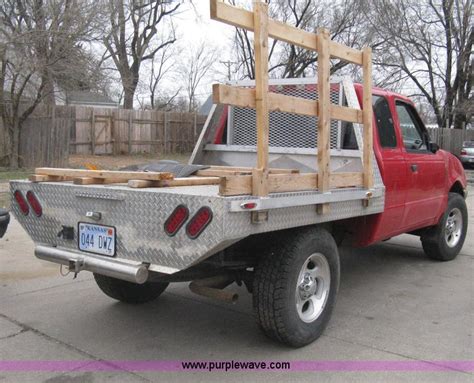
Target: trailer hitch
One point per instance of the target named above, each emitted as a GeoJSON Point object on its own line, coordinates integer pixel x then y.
{"type": "Point", "coordinates": [76, 265]}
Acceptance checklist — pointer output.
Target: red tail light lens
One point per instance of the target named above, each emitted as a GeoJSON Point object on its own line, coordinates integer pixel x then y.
{"type": "Point", "coordinates": [34, 203]}
{"type": "Point", "coordinates": [463, 152]}
{"type": "Point", "coordinates": [177, 219]}
{"type": "Point", "coordinates": [199, 222]}
{"type": "Point", "coordinates": [21, 201]}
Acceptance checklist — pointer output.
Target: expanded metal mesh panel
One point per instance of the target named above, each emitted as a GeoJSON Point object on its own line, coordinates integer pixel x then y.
{"type": "Point", "coordinates": [286, 129]}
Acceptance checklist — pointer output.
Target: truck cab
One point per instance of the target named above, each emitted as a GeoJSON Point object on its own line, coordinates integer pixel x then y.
{"type": "Point", "coordinates": [417, 175]}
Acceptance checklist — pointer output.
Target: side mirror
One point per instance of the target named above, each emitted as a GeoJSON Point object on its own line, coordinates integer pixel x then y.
{"type": "Point", "coordinates": [434, 147]}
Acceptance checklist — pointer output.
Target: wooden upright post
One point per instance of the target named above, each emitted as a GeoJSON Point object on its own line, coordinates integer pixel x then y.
{"type": "Point", "coordinates": [324, 114]}
{"type": "Point", "coordinates": [367, 112]}
{"type": "Point", "coordinates": [260, 173]}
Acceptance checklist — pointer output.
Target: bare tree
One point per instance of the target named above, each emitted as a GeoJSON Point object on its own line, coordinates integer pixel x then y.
{"type": "Point", "coordinates": [194, 68]}
{"type": "Point", "coordinates": [428, 44]}
{"type": "Point", "coordinates": [39, 44]}
{"type": "Point", "coordinates": [160, 68]}
{"type": "Point", "coordinates": [138, 30]}
{"type": "Point", "coordinates": [345, 19]}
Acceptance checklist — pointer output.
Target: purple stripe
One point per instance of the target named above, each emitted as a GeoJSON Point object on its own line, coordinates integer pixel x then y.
{"type": "Point", "coordinates": [176, 365]}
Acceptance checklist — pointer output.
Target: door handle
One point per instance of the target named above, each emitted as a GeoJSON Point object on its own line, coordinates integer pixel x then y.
{"type": "Point", "coordinates": [414, 168]}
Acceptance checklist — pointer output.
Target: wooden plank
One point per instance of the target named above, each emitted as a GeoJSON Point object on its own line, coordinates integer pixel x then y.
{"type": "Point", "coordinates": [189, 181]}
{"type": "Point", "coordinates": [242, 185]}
{"type": "Point", "coordinates": [217, 172]}
{"type": "Point", "coordinates": [344, 180]}
{"type": "Point", "coordinates": [260, 173]}
{"type": "Point", "coordinates": [236, 185]}
{"type": "Point", "coordinates": [98, 181]}
{"type": "Point", "coordinates": [278, 183]}
{"type": "Point", "coordinates": [243, 168]}
{"type": "Point", "coordinates": [324, 119]}
{"type": "Point", "coordinates": [109, 174]}
{"type": "Point", "coordinates": [245, 98]}
{"type": "Point", "coordinates": [242, 18]}
{"type": "Point", "coordinates": [290, 104]}
{"type": "Point", "coordinates": [226, 94]}
{"type": "Point", "coordinates": [346, 114]}
{"type": "Point", "coordinates": [45, 178]}
{"type": "Point", "coordinates": [345, 53]}
{"type": "Point", "coordinates": [367, 117]}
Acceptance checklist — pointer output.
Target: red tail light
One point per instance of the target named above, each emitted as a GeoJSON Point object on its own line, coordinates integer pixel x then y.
{"type": "Point", "coordinates": [177, 219]}
{"type": "Point", "coordinates": [463, 152]}
{"type": "Point", "coordinates": [21, 201]}
{"type": "Point", "coordinates": [34, 203]}
{"type": "Point", "coordinates": [199, 222]}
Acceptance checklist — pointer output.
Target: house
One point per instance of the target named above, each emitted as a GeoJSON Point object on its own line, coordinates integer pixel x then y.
{"type": "Point", "coordinates": [88, 98]}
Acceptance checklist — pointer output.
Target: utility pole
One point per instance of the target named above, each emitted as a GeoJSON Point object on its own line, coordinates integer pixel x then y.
{"type": "Point", "coordinates": [228, 64]}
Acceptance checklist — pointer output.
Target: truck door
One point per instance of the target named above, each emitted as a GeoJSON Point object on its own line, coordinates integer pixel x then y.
{"type": "Point", "coordinates": [425, 170]}
{"type": "Point", "coordinates": [392, 167]}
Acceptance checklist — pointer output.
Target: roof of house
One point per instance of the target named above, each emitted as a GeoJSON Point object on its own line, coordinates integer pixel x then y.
{"type": "Point", "coordinates": [89, 97]}
{"type": "Point", "coordinates": [205, 108]}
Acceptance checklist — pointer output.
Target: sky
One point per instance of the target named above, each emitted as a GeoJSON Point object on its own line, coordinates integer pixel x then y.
{"type": "Point", "coordinates": [194, 25]}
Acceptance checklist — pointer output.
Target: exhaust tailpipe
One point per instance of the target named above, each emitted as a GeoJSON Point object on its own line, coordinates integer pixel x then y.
{"type": "Point", "coordinates": [100, 265]}
{"type": "Point", "coordinates": [212, 288]}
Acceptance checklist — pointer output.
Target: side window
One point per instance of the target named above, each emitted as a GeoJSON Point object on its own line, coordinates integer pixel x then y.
{"type": "Point", "coordinates": [412, 132]}
{"type": "Point", "coordinates": [384, 119]}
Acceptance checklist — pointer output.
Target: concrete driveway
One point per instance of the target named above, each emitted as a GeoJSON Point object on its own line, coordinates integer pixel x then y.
{"type": "Point", "coordinates": [394, 305]}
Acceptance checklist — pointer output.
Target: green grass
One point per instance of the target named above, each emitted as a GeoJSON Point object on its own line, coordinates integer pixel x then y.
{"type": "Point", "coordinates": [7, 175]}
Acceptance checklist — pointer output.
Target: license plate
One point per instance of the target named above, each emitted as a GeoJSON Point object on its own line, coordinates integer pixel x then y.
{"type": "Point", "coordinates": [471, 159]}
{"type": "Point", "coordinates": [96, 239]}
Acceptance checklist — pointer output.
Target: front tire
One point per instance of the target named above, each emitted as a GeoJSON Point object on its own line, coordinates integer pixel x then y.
{"type": "Point", "coordinates": [295, 286]}
{"type": "Point", "coordinates": [444, 241]}
{"type": "Point", "coordinates": [129, 292]}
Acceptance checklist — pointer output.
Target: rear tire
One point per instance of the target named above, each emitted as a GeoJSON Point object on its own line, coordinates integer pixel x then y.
{"type": "Point", "coordinates": [444, 241]}
{"type": "Point", "coordinates": [295, 286]}
{"type": "Point", "coordinates": [129, 292]}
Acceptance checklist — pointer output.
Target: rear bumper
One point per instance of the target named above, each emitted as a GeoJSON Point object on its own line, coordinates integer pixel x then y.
{"type": "Point", "coordinates": [136, 273]}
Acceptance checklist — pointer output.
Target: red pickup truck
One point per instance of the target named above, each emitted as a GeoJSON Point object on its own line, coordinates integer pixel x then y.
{"type": "Point", "coordinates": [136, 241]}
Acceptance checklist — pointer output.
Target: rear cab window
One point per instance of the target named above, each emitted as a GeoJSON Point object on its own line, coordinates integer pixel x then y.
{"type": "Point", "coordinates": [385, 127]}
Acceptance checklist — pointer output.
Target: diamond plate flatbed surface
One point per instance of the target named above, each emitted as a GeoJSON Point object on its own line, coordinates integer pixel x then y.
{"type": "Point", "coordinates": [139, 215]}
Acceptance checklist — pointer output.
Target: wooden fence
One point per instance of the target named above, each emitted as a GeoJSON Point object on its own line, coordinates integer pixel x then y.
{"type": "Point", "coordinates": [122, 131]}
{"type": "Point", "coordinates": [451, 139]}
{"type": "Point", "coordinates": [53, 132]}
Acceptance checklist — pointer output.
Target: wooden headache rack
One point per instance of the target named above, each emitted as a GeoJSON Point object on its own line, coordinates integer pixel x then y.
{"type": "Point", "coordinates": [263, 101]}
{"type": "Point", "coordinates": [261, 180]}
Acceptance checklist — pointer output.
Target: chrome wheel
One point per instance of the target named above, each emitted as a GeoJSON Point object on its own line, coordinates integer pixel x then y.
{"type": "Point", "coordinates": [312, 287]}
{"type": "Point", "coordinates": [453, 228]}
